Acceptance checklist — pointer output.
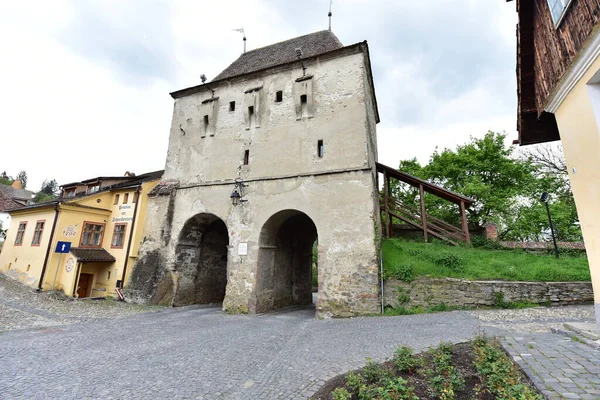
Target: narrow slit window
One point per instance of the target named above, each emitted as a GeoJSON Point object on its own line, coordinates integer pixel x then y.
{"type": "Point", "coordinates": [246, 157]}
{"type": "Point", "coordinates": [303, 99]}
{"type": "Point", "coordinates": [116, 199]}
{"type": "Point", "coordinates": [250, 111]}
{"type": "Point", "coordinates": [126, 198]}
{"type": "Point", "coordinates": [279, 96]}
{"type": "Point", "coordinates": [320, 149]}
{"type": "Point", "coordinates": [108, 276]}
{"type": "Point", "coordinates": [206, 122]}
{"type": "Point", "coordinates": [232, 106]}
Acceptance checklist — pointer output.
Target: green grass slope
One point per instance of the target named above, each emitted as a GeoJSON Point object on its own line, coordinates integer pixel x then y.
{"type": "Point", "coordinates": [408, 260]}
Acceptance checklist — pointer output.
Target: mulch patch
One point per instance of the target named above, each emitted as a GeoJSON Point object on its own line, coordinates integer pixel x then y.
{"type": "Point", "coordinates": [462, 359]}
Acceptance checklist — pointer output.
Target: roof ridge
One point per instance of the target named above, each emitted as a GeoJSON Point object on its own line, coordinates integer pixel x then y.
{"type": "Point", "coordinates": [289, 40]}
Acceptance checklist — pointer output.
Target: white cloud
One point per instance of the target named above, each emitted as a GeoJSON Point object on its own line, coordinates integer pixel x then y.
{"type": "Point", "coordinates": [85, 83]}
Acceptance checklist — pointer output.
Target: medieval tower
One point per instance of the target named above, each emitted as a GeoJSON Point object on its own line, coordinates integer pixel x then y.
{"type": "Point", "coordinates": [275, 154]}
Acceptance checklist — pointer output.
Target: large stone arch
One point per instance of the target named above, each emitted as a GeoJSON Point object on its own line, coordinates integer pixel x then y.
{"type": "Point", "coordinates": [283, 275]}
{"type": "Point", "coordinates": [201, 261]}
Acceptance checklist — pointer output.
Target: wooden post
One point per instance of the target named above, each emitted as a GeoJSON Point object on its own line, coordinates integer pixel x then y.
{"type": "Point", "coordinates": [463, 218]}
{"type": "Point", "coordinates": [385, 203]}
{"type": "Point", "coordinates": [423, 213]}
{"type": "Point", "coordinates": [389, 199]}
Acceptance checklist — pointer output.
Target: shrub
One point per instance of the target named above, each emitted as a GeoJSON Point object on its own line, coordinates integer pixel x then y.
{"type": "Point", "coordinates": [373, 372]}
{"type": "Point", "coordinates": [405, 361]}
{"type": "Point", "coordinates": [404, 273]}
{"type": "Point", "coordinates": [444, 379]}
{"type": "Point", "coordinates": [354, 381]}
{"type": "Point", "coordinates": [451, 261]}
{"type": "Point", "coordinates": [341, 394]}
{"type": "Point", "coordinates": [499, 374]}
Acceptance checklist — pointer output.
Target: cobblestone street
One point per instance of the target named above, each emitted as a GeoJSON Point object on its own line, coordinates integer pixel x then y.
{"type": "Point", "coordinates": [76, 350]}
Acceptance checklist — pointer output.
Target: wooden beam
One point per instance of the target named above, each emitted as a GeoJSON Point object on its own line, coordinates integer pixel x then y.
{"type": "Point", "coordinates": [388, 200]}
{"type": "Point", "coordinates": [423, 213]}
{"type": "Point", "coordinates": [386, 206]}
{"type": "Point", "coordinates": [463, 219]}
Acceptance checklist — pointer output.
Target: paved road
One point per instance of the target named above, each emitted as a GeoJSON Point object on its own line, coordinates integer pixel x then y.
{"type": "Point", "coordinates": [200, 353]}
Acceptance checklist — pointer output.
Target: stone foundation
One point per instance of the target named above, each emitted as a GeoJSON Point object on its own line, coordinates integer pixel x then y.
{"type": "Point", "coordinates": [457, 292]}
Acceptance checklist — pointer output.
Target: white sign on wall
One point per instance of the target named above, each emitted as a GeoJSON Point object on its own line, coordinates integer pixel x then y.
{"type": "Point", "coordinates": [243, 249]}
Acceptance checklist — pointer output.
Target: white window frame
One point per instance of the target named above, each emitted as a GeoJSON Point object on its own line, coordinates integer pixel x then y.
{"type": "Point", "coordinates": [566, 4]}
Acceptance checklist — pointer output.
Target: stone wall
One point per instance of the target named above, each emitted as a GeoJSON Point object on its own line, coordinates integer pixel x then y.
{"type": "Point", "coordinates": [458, 292]}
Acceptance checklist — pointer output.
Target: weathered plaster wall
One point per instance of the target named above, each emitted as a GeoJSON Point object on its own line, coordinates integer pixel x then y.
{"type": "Point", "coordinates": [458, 292]}
{"type": "Point", "coordinates": [578, 124]}
{"type": "Point", "coordinates": [336, 191]}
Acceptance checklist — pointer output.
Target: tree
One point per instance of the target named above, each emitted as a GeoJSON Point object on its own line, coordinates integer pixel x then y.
{"type": "Point", "coordinates": [48, 191]}
{"type": "Point", "coordinates": [5, 179]}
{"type": "Point", "coordinates": [506, 189]}
{"type": "Point", "coordinates": [22, 176]}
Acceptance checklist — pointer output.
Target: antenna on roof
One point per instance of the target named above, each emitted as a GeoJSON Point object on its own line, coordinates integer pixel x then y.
{"type": "Point", "coordinates": [244, 35]}
{"type": "Point", "coordinates": [330, 14]}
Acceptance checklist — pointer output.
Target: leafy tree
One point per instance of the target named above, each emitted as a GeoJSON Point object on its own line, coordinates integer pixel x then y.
{"type": "Point", "coordinates": [506, 189]}
{"type": "Point", "coordinates": [2, 232]}
{"type": "Point", "coordinates": [48, 191]}
{"type": "Point", "coordinates": [5, 179]}
{"type": "Point", "coordinates": [22, 176]}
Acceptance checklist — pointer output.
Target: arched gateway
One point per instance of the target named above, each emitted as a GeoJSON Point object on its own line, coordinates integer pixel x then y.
{"type": "Point", "coordinates": [264, 136]}
{"type": "Point", "coordinates": [201, 261]}
{"type": "Point", "coordinates": [283, 275]}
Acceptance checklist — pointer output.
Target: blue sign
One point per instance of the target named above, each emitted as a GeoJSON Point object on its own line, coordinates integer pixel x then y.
{"type": "Point", "coordinates": [63, 247]}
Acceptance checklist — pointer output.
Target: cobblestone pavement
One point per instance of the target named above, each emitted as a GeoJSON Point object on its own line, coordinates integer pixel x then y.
{"type": "Point", "coordinates": [75, 350]}
{"type": "Point", "coordinates": [21, 307]}
{"type": "Point", "coordinates": [559, 366]}
{"type": "Point", "coordinates": [201, 353]}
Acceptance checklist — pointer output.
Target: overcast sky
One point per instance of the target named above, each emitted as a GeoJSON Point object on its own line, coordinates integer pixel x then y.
{"type": "Point", "coordinates": [85, 84]}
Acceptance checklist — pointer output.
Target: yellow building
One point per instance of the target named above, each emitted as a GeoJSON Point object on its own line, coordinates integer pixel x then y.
{"type": "Point", "coordinates": [102, 218]}
{"type": "Point", "coordinates": [558, 74]}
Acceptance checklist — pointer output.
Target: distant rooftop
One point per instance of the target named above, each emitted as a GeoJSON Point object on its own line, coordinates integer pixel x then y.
{"type": "Point", "coordinates": [21, 196]}
{"type": "Point", "coordinates": [311, 45]}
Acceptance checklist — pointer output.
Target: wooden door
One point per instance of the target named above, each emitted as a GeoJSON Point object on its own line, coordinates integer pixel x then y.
{"type": "Point", "coordinates": [85, 284]}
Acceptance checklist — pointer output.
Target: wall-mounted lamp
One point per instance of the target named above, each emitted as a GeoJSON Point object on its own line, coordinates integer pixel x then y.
{"type": "Point", "coordinates": [237, 196]}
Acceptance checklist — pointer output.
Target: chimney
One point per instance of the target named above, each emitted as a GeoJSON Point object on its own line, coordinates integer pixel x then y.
{"type": "Point", "coordinates": [17, 184]}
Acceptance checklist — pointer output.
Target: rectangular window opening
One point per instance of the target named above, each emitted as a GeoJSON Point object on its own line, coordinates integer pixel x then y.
{"type": "Point", "coordinates": [118, 238]}
{"type": "Point", "coordinates": [108, 276]}
{"type": "Point", "coordinates": [37, 233]}
{"type": "Point", "coordinates": [303, 99]}
{"type": "Point", "coordinates": [246, 157]}
{"type": "Point", "coordinates": [320, 149]}
{"type": "Point", "coordinates": [279, 96]}
{"type": "Point", "coordinates": [92, 235]}
{"type": "Point", "coordinates": [125, 198]}
{"type": "Point", "coordinates": [206, 122]}
{"type": "Point", "coordinates": [250, 111]}
{"type": "Point", "coordinates": [116, 199]}
{"type": "Point", "coordinates": [232, 106]}
{"type": "Point", "coordinates": [20, 233]}
{"type": "Point", "coordinates": [136, 196]}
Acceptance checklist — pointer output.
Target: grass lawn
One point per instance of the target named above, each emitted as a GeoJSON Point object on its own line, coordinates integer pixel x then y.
{"type": "Point", "coordinates": [407, 260]}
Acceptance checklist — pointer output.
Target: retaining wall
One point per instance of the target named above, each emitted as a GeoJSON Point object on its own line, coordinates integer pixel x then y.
{"type": "Point", "coordinates": [460, 292]}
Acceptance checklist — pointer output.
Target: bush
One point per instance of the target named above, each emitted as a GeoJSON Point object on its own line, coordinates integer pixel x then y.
{"type": "Point", "coordinates": [405, 361]}
{"type": "Point", "coordinates": [404, 273]}
{"type": "Point", "coordinates": [451, 261]}
{"type": "Point", "coordinates": [341, 394]}
{"type": "Point", "coordinates": [499, 373]}
{"type": "Point", "coordinates": [373, 372]}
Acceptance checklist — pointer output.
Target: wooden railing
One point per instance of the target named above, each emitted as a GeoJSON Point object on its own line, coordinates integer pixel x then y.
{"type": "Point", "coordinates": [418, 217]}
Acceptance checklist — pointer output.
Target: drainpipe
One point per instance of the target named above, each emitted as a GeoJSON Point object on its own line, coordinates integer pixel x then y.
{"type": "Point", "coordinates": [40, 283]}
{"type": "Point", "coordinates": [139, 198]}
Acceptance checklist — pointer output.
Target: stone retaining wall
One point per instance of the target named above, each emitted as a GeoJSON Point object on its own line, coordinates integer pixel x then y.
{"type": "Point", "coordinates": [458, 292]}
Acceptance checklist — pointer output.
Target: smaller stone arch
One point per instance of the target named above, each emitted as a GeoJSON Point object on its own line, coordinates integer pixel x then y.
{"type": "Point", "coordinates": [284, 261]}
{"type": "Point", "coordinates": [201, 261]}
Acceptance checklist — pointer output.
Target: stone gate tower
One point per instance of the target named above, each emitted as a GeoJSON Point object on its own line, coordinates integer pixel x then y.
{"type": "Point", "coordinates": [275, 154]}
